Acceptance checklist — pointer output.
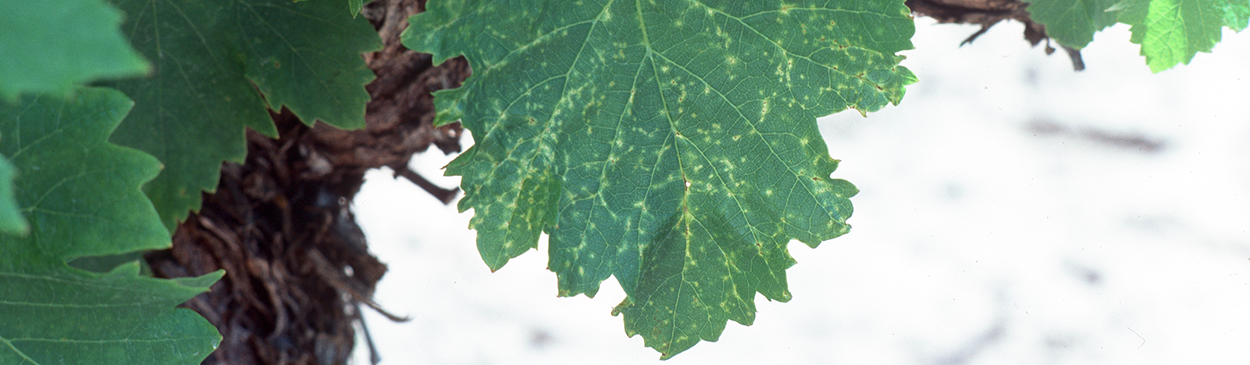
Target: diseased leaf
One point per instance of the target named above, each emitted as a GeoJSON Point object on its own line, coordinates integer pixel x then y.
{"type": "Point", "coordinates": [210, 57]}
{"type": "Point", "coordinates": [671, 144]}
{"type": "Point", "coordinates": [1073, 22]}
{"type": "Point", "coordinates": [50, 46]}
{"type": "Point", "coordinates": [81, 195]}
{"type": "Point", "coordinates": [1171, 32]}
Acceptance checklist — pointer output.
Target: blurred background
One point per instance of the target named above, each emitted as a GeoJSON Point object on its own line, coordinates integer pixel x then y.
{"type": "Point", "coordinates": [1012, 211]}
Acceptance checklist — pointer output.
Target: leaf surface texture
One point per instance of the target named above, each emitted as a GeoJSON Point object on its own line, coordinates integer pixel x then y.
{"type": "Point", "coordinates": [1170, 32]}
{"type": "Point", "coordinates": [1073, 22]}
{"type": "Point", "coordinates": [11, 220]}
{"type": "Point", "coordinates": [210, 58]}
{"type": "Point", "coordinates": [81, 196]}
{"type": "Point", "coordinates": [670, 144]}
{"type": "Point", "coordinates": [50, 46]}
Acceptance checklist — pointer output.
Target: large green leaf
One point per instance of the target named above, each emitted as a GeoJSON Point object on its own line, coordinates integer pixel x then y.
{"type": "Point", "coordinates": [671, 143]}
{"type": "Point", "coordinates": [1073, 22]}
{"type": "Point", "coordinates": [211, 57]}
{"type": "Point", "coordinates": [49, 46]}
{"type": "Point", "coordinates": [81, 195]}
{"type": "Point", "coordinates": [1171, 32]}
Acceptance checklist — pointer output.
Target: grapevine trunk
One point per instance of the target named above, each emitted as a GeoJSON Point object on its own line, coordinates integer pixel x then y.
{"type": "Point", "coordinates": [298, 269]}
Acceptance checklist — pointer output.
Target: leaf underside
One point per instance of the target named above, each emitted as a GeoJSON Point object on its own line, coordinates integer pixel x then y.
{"type": "Point", "coordinates": [210, 58]}
{"type": "Point", "coordinates": [81, 196]}
{"type": "Point", "coordinates": [1073, 22]}
{"type": "Point", "coordinates": [50, 46]}
{"type": "Point", "coordinates": [1170, 32]}
{"type": "Point", "coordinates": [671, 144]}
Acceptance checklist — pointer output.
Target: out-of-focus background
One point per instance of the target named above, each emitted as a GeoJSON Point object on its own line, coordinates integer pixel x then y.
{"type": "Point", "coordinates": [1012, 211]}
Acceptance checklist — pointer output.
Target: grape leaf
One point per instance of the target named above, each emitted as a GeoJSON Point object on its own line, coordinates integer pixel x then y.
{"type": "Point", "coordinates": [81, 195]}
{"type": "Point", "coordinates": [49, 46]}
{"type": "Point", "coordinates": [1171, 32]}
{"type": "Point", "coordinates": [1073, 22]}
{"type": "Point", "coordinates": [210, 58]}
{"type": "Point", "coordinates": [671, 144]}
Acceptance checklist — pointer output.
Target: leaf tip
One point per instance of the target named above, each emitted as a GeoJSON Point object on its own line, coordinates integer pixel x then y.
{"type": "Point", "coordinates": [619, 308]}
{"type": "Point", "coordinates": [202, 282]}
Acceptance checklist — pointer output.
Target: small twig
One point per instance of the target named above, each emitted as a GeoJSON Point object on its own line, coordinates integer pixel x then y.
{"type": "Point", "coordinates": [334, 277]}
{"type": "Point", "coordinates": [1075, 54]}
{"type": "Point", "coordinates": [374, 357]}
{"type": "Point", "coordinates": [1143, 339]}
{"type": "Point", "coordinates": [984, 28]}
{"type": "Point", "coordinates": [443, 195]}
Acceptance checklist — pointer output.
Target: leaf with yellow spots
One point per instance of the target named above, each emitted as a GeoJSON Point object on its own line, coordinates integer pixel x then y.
{"type": "Point", "coordinates": [671, 144]}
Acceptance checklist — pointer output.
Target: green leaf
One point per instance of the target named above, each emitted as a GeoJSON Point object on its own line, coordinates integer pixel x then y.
{"type": "Point", "coordinates": [1073, 22]}
{"type": "Point", "coordinates": [211, 57]}
{"type": "Point", "coordinates": [354, 6]}
{"type": "Point", "coordinates": [1171, 32]}
{"type": "Point", "coordinates": [49, 46]}
{"type": "Point", "coordinates": [671, 144]}
{"type": "Point", "coordinates": [11, 221]}
{"type": "Point", "coordinates": [81, 195]}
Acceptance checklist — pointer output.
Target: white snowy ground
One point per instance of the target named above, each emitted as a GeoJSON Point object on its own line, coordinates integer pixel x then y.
{"type": "Point", "coordinates": [1006, 217]}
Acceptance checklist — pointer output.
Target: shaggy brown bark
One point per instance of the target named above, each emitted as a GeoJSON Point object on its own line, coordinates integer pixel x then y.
{"type": "Point", "coordinates": [297, 266]}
